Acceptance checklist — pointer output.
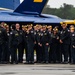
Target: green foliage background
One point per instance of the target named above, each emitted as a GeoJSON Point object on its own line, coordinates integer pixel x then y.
{"type": "Point", "coordinates": [65, 12]}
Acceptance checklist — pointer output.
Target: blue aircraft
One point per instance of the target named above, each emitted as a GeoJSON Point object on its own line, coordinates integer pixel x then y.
{"type": "Point", "coordinates": [29, 11]}
{"type": "Point", "coordinates": [10, 4]}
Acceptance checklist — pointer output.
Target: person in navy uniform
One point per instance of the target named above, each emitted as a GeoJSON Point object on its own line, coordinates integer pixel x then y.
{"type": "Point", "coordinates": [44, 43]}
{"type": "Point", "coordinates": [36, 45]}
{"type": "Point", "coordinates": [72, 41]}
{"type": "Point", "coordinates": [40, 50]}
{"type": "Point", "coordinates": [3, 39]}
{"type": "Point", "coordinates": [7, 52]}
{"type": "Point", "coordinates": [30, 39]}
{"type": "Point", "coordinates": [54, 45]}
{"type": "Point", "coordinates": [24, 44]}
{"type": "Point", "coordinates": [15, 39]}
{"type": "Point", "coordinates": [58, 52]}
{"type": "Point", "coordinates": [49, 28]}
{"type": "Point", "coordinates": [65, 42]}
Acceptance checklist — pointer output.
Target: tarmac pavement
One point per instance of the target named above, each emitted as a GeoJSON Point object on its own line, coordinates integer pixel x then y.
{"type": "Point", "coordinates": [37, 69]}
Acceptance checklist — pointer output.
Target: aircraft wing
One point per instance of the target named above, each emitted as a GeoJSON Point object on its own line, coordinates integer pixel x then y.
{"type": "Point", "coordinates": [17, 17]}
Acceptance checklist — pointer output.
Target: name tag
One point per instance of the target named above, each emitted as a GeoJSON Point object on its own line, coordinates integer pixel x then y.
{"type": "Point", "coordinates": [21, 33]}
{"type": "Point", "coordinates": [41, 34]}
{"type": "Point", "coordinates": [16, 34]}
{"type": "Point", "coordinates": [64, 32]}
{"type": "Point", "coordinates": [35, 33]}
{"type": "Point", "coordinates": [45, 34]}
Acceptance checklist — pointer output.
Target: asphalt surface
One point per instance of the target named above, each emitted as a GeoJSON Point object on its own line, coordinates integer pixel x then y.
{"type": "Point", "coordinates": [37, 69]}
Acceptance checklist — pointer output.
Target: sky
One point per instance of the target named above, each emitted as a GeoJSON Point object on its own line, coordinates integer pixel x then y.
{"type": "Point", "coordinates": [58, 3]}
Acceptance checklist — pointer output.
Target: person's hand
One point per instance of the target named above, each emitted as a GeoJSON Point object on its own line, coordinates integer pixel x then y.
{"type": "Point", "coordinates": [40, 44]}
{"type": "Point", "coordinates": [61, 41]}
{"type": "Point", "coordinates": [47, 44]}
{"type": "Point", "coordinates": [57, 38]}
{"type": "Point", "coordinates": [73, 46]}
{"type": "Point", "coordinates": [27, 31]}
{"type": "Point", "coordinates": [35, 42]}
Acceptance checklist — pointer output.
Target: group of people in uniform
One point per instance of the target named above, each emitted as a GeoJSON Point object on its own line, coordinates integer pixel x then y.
{"type": "Point", "coordinates": [50, 45]}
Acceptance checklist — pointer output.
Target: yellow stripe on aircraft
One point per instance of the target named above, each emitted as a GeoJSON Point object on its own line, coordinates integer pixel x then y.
{"type": "Point", "coordinates": [68, 22]}
{"type": "Point", "coordinates": [38, 1]}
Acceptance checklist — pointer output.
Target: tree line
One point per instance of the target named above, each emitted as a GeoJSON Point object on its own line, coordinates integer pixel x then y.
{"type": "Point", "coordinates": [66, 11]}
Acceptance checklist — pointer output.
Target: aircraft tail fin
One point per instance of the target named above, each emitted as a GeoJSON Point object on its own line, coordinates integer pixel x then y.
{"type": "Point", "coordinates": [10, 4]}
{"type": "Point", "coordinates": [31, 6]}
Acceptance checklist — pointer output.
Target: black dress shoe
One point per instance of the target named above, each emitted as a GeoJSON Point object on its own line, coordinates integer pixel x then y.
{"type": "Point", "coordinates": [3, 62]}
{"type": "Point", "coordinates": [46, 62]}
{"type": "Point", "coordinates": [16, 62]}
{"type": "Point", "coordinates": [20, 62]}
{"type": "Point", "coordinates": [36, 62]}
{"type": "Point", "coordinates": [11, 63]}
{"type": "Point", "coordinates": [65, 62]}
{"type": "Point", "coordinates": [27, 62]}
{"type": "Point", "coordinates": [73, 63]}
{"type": "Point", "coordinates": [31, 62]}
{"type": "Point", "coordinates": [42, 62]}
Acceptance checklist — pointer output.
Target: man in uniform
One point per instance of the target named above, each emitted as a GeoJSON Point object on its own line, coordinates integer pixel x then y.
{"type": "Point", "coordinates": [36, 45]}
{"type": "Point", "coordinates": [24, 44]}
{"type": "Point", "coordinates": [6, 51]}
{"type": "Point", "coordinates": [72, 41]}
{"type": "Point", "coordinates": [65, 42]}
{"type": "Point", "coordinates": [59, 56]}
{"type": "Point", "coordinates": [30, 45]}
{"type": "Point", "coordinates": [44, 42]}
{"type": "Point", "coordinates": [3, 39]}
{"type": "Point", "coordinates": [16, 39]}
{"type": "Point", "coordinates": [49, 28]}
{"type": "Point", "coordinates": [40, 50]}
